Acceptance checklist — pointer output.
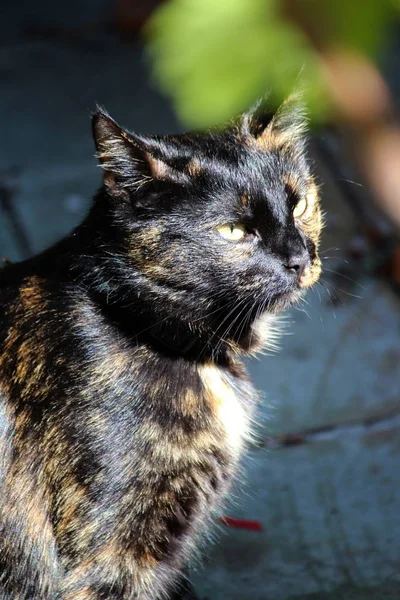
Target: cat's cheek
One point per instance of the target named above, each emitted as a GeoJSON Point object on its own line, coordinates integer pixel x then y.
{"type": "Point", "coordinates": [312, 275]}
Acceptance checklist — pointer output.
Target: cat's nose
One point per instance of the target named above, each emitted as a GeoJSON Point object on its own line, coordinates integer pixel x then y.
{"type": "Point", "coordinates": [298, 264]}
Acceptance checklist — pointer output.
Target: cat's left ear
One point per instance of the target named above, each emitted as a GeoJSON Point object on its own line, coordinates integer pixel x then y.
{"type": "Point", "coordinates": [271, 130]}
{"type": "Point", "coordinates": [129, 161]}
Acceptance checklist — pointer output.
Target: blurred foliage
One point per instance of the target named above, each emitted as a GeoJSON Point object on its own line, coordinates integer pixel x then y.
{"type": "Point", "coordinates": [216, 57]}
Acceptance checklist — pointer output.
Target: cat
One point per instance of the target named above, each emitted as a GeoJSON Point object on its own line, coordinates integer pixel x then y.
{"type": "Point", "coordinates": [124, 401]}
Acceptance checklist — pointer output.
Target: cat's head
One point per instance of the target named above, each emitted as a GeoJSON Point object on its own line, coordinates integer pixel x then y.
{"type": "Point", "coordinates": [214, 229]}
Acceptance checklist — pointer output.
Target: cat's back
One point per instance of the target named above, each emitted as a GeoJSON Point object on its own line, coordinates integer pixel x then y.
{"type": "Point", "coordinates": [11, 277]}
{"type": "Point", "coordinates": [21, 291]}
{"type": "Point", "coordinates": [28, 320]}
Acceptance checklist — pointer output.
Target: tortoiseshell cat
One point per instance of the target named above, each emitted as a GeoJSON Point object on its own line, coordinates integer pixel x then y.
{"type": "Point", "coordinates": [124, 402]}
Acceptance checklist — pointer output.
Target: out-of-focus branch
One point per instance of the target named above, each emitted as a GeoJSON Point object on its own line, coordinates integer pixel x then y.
{"type": "Point", "coordinates": [363, 104]}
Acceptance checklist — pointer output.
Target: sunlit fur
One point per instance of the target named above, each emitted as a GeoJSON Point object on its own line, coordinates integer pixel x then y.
{"type": "Point", "coordinates": [124, 404]}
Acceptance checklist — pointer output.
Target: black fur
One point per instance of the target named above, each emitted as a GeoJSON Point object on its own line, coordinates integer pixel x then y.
{"type": "Point", "coordinates": [123, 401]}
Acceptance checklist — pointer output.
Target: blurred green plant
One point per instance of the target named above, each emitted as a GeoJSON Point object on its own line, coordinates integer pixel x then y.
{"type": "Point", "coordinates": [216, 57]}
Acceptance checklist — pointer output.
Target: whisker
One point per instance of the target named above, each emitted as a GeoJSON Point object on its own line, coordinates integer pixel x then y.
{"type": "Point", "coordinates": [345, 277]}
{"type": "Point", "coordinates": [348, 293]}
{"type": "Point", "coordinates": [331, 249]}
{"type": "Point", "coordinates": [230, 326]}
{"type": "Point", "coordinates": [337, 258]}
{"type": "Point", "coordinates": [320, 282]}
{"type": "Point", "coordinates": [247, 319]}
{"type": "Point", "coordinates": [351, 181]}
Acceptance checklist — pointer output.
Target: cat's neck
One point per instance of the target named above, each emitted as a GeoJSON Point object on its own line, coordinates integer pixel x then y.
{"type": "Point", "coordinates": [87, 264]}
{"type": "Point", "coordinates": [137, 321]}
{"type": "Point", "coordinates": [93, 260]}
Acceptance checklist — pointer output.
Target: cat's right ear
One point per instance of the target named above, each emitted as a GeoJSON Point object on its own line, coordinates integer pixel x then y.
{"type": "Point", "coordinates": [129, 161]}
{"type": "Point", "coordinates": [284, 127]}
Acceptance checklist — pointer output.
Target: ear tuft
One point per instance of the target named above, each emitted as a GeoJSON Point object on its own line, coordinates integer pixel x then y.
{"type": "Point", "coordinates": [291, 118]}
{"type": "Point", "coordinates": [103, 126]}
{"type": "Point", "coordinates": [115, 149]}
{"type": "Point", "coordinates": [270, 130]}
{"type": "Point", "coordinates": [257, 119]}
{"type": "Point", "coordinates": [129, 161]}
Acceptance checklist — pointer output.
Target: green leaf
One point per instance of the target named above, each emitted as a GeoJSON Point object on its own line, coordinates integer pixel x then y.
{"type": "Point", "coordinates": [216, 57]}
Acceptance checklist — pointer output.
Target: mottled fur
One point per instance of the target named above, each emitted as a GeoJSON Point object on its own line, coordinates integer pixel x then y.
{"type": "Point", "coordinates": [124, 405]}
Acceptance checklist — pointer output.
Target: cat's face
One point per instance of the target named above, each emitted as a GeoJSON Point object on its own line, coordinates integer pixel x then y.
{"type": "Point", "coordinates": [216, 228]}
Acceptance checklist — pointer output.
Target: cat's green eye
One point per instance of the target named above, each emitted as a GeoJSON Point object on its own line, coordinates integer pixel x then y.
{"type": "Point", "coordinates": [300, 208]}
{"type": "Point", "coordinates": [233, 233]}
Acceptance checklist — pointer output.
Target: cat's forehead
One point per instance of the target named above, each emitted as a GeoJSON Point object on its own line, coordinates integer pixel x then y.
{"type": "Point", "coordinates": [232, 164]}
{"type": "Point", "coordinates": [258, 151]}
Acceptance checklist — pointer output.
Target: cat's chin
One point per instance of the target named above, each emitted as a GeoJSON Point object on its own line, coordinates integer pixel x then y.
{"type": "Point", "coordinates": [284, 301]}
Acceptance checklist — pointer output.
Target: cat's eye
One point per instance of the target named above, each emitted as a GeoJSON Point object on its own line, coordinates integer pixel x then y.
{"type": "Point", "coordinates": [300, 208]}
{"type": "Point", "coordinates": [233, 233]}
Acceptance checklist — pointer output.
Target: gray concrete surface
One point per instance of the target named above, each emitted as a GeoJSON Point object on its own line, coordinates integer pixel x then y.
{"type": "Point", "coordinates": [329, 503]}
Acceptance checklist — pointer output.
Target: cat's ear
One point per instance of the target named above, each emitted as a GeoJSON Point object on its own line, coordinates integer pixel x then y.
{"type": "Point", "coordinates": [270, 130]}
{"type": "Point", "coordinates": [129, 161]}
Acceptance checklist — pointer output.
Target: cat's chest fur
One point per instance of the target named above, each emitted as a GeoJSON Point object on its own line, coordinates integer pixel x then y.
{"type": "Point", "coordinates": [174, 412]}
{"type": "Point", "coordinates": [162, 440]}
